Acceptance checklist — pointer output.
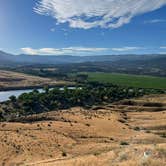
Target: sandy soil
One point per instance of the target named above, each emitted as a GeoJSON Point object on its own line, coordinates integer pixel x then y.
{"type": "Point", "coordinates": [118, 134]}
{"type": "Point", "coordinates": [16, 80]}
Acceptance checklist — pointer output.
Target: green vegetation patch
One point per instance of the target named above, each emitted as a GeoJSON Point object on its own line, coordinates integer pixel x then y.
{"type": "Point", "coordinates": [128, 80]}
{"type": "Point", "coordinates": [88, 95]}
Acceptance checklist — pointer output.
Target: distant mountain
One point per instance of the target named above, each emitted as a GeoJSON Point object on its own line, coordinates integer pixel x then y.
{"type": "Point", "coordinates": [9, 59]}
{"type": "Point", "coordinates": [5, 58]}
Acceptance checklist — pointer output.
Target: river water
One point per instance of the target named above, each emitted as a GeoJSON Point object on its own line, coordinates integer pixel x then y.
{"type": "Point", "coordinates": [4, 95]}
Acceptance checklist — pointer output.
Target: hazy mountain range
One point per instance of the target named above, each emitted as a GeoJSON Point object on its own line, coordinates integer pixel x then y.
{"type": "Point", "coordinates": [9, 59]}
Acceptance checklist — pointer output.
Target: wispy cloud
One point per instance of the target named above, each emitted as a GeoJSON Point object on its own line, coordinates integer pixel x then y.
{"type": "Point", "coordinates": [96, 13]}
{"type": "Point", "coordinates": [75, 50]}
{"type": "Point", "coordinates": [123, 49]}
{"type": "Point", "coordinates": [154, 21]}
{"type": "Point", "coordinates": [61, 51]}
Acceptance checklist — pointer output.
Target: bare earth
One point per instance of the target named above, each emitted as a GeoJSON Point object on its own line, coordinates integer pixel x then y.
{"type": "Point", "coordinates": [16, 80]}
{"type": "Point", "coordinates": [121, 134]}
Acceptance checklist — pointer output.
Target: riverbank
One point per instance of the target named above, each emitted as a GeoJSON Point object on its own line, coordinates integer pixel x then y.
{"type": "Point", "coordinates": [4, 95]}
{"type": "Point", "coordinates": [36, 87]}
{"type": "Point", "coordinates": [19, 81]}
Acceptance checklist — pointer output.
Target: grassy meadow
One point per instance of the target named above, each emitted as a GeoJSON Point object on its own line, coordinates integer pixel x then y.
{"type": "Point", "coordinates": [128, 80]}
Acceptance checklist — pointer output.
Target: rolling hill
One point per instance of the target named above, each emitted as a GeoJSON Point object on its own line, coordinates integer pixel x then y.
{"type": "Point", "coordinates": [118, 134]}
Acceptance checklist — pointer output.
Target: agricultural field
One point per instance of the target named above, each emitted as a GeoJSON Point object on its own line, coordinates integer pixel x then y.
{"type": "Point", "coordinates": [128, 80]}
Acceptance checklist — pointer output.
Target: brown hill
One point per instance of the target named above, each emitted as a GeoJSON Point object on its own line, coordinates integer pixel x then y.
{"type": "Point", "coordinates": [127, 133]}
{"type": "Point", "coordinates": [14, 80]}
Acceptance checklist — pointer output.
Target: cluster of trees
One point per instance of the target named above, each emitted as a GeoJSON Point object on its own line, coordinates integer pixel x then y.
{"type": "Point", "coordinates": [53, 99]}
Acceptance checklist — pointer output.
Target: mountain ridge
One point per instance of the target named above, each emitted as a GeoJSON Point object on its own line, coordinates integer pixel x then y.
{"type": "Point", "coordinates": [7, 58]}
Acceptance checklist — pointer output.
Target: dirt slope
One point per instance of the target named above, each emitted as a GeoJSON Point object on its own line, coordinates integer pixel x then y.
{"type": "Point", "coordinates": [125, 133]}
{"type": "Point", "coordinates": [9, 80]}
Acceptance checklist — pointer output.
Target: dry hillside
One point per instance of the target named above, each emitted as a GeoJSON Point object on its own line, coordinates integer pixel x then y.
{"type": "Point", "coordinates": [16, 80]}
{"type": "Point", "coordinates": [127, 133]}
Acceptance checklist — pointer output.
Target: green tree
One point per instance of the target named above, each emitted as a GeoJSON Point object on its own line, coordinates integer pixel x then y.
{"type": "Point", "coordinates": [13, 99]}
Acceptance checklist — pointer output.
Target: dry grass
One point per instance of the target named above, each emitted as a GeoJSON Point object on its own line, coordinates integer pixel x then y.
{"type": "Point", "coordinates": [10, 79]}
{"type": "Point", "coordinates": [83, 137]}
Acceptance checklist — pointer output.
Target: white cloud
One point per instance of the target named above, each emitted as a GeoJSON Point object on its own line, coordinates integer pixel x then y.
{"type": "Point", "coordinates": [154, 21]}
{"type": "Point", "coordinates": [61, 51]}
{"type": "Point", "coordinates": [96, 13]}
{"type": "Point", "coordinates": [122, 49]}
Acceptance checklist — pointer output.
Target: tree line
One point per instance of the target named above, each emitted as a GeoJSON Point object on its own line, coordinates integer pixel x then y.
{"type": "Point", "coordinates": [54, 99]}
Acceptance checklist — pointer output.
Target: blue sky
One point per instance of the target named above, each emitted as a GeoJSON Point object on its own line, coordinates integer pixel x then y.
{"type": "Point", "coordinates": [82, 27]}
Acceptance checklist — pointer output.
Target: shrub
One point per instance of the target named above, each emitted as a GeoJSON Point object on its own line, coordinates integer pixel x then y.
{"type": "Point", "coordinates": [121, 120]}
{"type": "Point", "coordinates": [64, 154]}
{"type": "Point", "coordinates": [87, 124]}
{"type": "Point", "coordinates": [153, 104]}
{"type": "Point", "coordinates": [124, 143]}
{"type": "Point", "coordinates": [137, 128]}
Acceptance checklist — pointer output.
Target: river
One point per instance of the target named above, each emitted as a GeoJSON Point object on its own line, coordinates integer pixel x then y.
{"type": "Point", "coordinates": [4, 95]}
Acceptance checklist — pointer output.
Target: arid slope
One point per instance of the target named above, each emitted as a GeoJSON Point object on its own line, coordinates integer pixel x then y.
{"type": "Point", "coordinates": [127, 133]}
{"type": "Point", "coordinates": [14, 80]}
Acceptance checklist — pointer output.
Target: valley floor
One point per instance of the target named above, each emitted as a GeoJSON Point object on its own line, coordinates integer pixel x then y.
{"type": "Point", "coordinates": [126, 133]}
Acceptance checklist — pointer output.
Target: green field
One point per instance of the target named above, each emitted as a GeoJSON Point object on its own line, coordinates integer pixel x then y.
{"type": "Point", "coordinates": [129, 80]}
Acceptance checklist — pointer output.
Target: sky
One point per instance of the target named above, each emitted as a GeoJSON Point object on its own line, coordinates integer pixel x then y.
{"type": "Point", "coordinates": [83, 27]}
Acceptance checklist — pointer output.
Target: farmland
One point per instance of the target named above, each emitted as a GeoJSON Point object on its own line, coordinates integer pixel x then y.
{"type": "Point", "coordinates": [128, 80]}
